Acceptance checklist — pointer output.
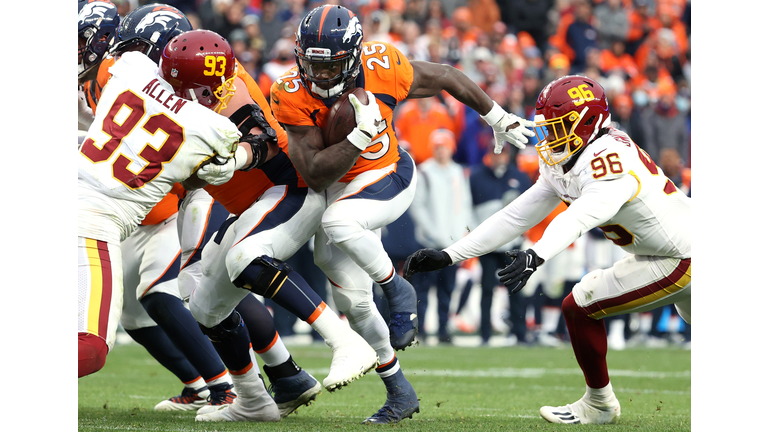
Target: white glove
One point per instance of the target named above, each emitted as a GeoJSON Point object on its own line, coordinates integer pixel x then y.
{"type": "Point", "coordinates": [367, 118]}
{"type": "Point", "coordinates": [501, 122]}
{"type": "Point", "coordinates": [217, 174]}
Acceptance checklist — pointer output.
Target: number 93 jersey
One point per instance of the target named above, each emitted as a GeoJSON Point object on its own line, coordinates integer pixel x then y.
{"type": "Point", "coordinates": [386, 73]}
{"type": "Point", "coordinates": [655, 221]}
{"type": "Point", "coordinates": [143, 140]}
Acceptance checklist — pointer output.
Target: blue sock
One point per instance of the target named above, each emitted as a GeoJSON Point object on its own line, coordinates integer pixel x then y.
{"type": "Point", "coordinates": [258, 320]}
{"type": "Point", "coordinates": [184, 333]}
{"type": "Point", "coordinates": [157, 344]}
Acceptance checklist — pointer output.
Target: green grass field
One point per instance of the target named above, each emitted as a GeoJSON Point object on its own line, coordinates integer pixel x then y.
{"type": "Point", "coordinates": [460, 389]}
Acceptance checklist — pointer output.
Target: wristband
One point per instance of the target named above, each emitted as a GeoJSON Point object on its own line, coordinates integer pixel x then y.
{"type": "Point", "coordinates": [494, 115]}
{"type": "Point", "coordinates": [241, 157]}
{"type": "Point", "coordinates": [359, 139]}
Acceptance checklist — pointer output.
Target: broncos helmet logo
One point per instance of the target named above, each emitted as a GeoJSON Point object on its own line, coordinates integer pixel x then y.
{"type": "Point", "coordinates": [353, 28]}
{"type": "Point", "coordinates": [94, 10]}
{"type": "Point", "coordinates": [162, 17]}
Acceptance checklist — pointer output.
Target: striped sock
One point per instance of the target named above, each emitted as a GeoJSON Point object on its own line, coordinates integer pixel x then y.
{"type": "Point", "coordinates": [389, 368]}
{"type": "Point", "coordinates": [275, 353]}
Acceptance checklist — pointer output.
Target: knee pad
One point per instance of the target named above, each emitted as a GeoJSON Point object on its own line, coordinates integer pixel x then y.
{"type": "Point", "coordinates": [263, 276]}
{"type": "Point", "coordinates": [226, 330]}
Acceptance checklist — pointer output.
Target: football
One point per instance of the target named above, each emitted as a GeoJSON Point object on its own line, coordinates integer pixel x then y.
{"type": "Point", "coordinates": [341, 117]}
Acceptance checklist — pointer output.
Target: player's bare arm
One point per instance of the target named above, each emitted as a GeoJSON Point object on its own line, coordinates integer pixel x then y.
{"type": "Point", "coordinates": [319, 166]}
{"type": "Point", "coordinates": [430, 78]}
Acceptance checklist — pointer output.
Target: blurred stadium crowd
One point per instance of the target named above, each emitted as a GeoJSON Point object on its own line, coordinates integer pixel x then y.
{"type": "Point", "coordinates": [639, 50]}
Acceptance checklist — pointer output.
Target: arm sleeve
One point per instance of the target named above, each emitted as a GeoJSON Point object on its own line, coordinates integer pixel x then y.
{"type": "Point", "coordinates": [599, 202]}
{"type": "Point", "coordinates": [507, 224]}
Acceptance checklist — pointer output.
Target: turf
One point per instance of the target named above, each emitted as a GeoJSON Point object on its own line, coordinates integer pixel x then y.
{"type": "Point", "coordinates": [460, 389]}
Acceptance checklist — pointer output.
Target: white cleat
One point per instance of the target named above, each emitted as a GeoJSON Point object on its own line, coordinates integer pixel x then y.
{"type": "Point", "coordinates": [188, 400]}
{"type": "Point", "coordinates": [351, 360]}
{"type": "Point", "coordinates": [583, 412]}
{"type": "Point", "coordinates": [253, 409]}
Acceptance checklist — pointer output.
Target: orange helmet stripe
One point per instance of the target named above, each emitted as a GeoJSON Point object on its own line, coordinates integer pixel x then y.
{"type": "Point", "coordinates": [326, 9]}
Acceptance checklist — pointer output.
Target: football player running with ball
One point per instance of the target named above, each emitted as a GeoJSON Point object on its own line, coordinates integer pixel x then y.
{"type": "Point", "coordinates": [608, 182]}
{"type": "Point", "coordinates": [368, 181]}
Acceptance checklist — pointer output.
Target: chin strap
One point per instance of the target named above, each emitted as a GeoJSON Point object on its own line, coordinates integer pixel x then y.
{"type": "Point", "coordinates": [252, 116]}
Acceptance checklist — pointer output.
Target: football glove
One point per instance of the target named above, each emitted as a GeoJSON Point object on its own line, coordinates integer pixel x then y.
{"type": "Point", "coordinates": [367, 117]}
{"type": "Point", "coordinates": [425, 260]}
{"type": "Point", "coordinates": [220, 170]}
{"type": "Point", "coordinates": [504, 129]}
{"type": "Point", "coordinates": [524, 263]}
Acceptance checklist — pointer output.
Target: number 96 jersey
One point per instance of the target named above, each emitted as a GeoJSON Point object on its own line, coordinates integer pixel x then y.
{"type": "Point", "coordinates": [654, 222]}
{"type": "Point", "coordinates": [386, 73]}
{"type": "Point", "coordinates": [143, 139]}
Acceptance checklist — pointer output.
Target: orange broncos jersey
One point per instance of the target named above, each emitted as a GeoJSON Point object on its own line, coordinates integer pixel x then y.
{"type": "Point", "coordinates": [246, 187]}
{"type": "Point", "coordinates": [169, 205]}
{"type": "Point", "coordinates": [387, 74]}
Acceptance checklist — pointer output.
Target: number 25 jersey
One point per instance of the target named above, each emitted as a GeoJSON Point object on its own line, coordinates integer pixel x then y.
{"type": "Point", "coordinates": [143, 140]}
{"type": "Point", "coordinates": [386, 73]}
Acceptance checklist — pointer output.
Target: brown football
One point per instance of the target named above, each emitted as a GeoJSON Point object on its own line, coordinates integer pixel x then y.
{"type": "Point", "coordinates": [341, 117]}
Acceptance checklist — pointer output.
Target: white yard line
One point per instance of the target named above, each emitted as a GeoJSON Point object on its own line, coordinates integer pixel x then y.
{"type": "Point", "coordinates": [527, 373]}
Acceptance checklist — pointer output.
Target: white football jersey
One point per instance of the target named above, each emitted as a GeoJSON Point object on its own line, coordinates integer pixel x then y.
{"type": "Point", "coordinates": [143, 140]}
{"type": "Point", "coordinates": [613, 185]}
{"type": "Point", "coordinates": [655, 221]}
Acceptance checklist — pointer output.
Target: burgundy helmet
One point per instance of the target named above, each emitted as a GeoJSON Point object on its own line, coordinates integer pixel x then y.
{"type": "Point", "coordinates": [570, 112]}
{"type": "Point", "coordinates": [201, 67]}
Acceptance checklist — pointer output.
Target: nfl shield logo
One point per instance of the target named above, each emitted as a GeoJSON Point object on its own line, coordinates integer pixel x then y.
{"type": "Point", "coordinates": [174, 72]}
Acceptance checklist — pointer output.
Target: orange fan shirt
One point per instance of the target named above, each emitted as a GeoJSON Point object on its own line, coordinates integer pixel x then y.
{"type": "Point", "coordinates": [415, 126]}
{"type": "Point", "coordinates": [245, 187]}
{"type": "Point", "coordinates": [169, 205]}
{"type": "Point", "coordinates": [385, 72]}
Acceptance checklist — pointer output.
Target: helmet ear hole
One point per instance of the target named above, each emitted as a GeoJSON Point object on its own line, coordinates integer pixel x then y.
{"type": "Point", "coordinates": [590, 121]}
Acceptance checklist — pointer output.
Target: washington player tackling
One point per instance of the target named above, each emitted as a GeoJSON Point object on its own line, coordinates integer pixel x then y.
{"type": "Point", "coordinates": [142, 141]}
{"type": "Point", "coordinates": [607, 181]}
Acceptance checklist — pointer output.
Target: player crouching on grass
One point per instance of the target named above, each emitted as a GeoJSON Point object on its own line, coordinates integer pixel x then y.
{"type": "Point", "coordinates": [607, 181]}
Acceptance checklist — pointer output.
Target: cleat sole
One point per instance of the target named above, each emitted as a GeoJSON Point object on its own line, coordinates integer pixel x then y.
{"type": "Point", "coordinates": [305, 399]}
{"type": "Point", "coordinates": [346, 382]}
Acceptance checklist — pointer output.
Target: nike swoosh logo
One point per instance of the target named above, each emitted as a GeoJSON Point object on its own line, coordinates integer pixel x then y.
{"type": "Point", "coordinates": [600, 152]}
{"type": "Point", "coordinates": [398, 58]}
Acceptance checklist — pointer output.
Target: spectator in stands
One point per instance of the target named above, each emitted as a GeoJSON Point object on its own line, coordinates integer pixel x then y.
{"type": "Point", "coordinates": [494, 184]}
{"type": "Point", "coordinates": [627, 118]}
{"type": "Point", "coordinates": [531, 90]}
{"type": "Point", "coordinates": [667, 126]}
{"type": "Point", "coordinates": [442, 213]}
{"type": "Point", "coordinates": [485, 13]}
{"type": "Point", "coordinates": [411, 45]}
{"type": "Point", "coordinates": [439, 13]}
{"type": "Point", "coordinates": [416, 11]}
{"type": "Point", "coordinates": [271, 24]}
{"type": "Point", "coordinates": [463, 30]}
{"type": "Point", "coordinates": [611, 22]}
{"type": "Point", "coordinates": [616, 59]}
{"type": "Point", "coordinates": [376, 27]}
{"type": "Point", "coordinates": [559, 66]}
{"type": "Point", "coordinates": [530, 16]}
{"type": "Point", "coordinates": [281, 59]}
{"type": "Point", "coordinates": [212, 14]}
{"type": "Point", "coordinates": [641, 24]}
{"type": "Point", "coordinates": [416, 119]}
